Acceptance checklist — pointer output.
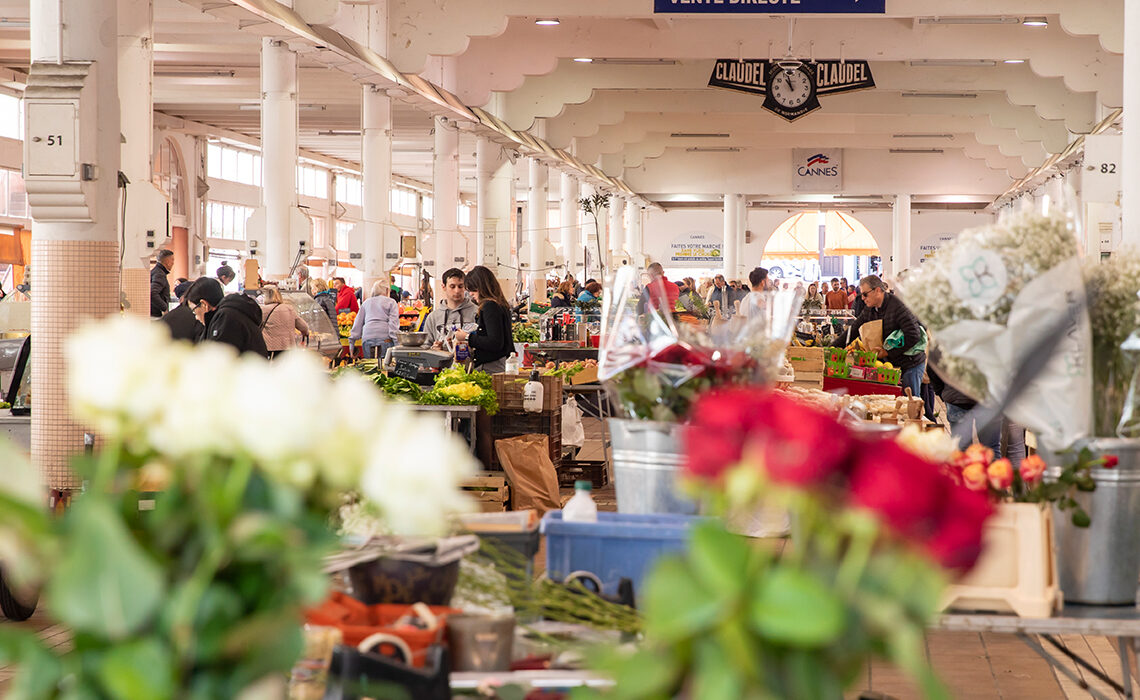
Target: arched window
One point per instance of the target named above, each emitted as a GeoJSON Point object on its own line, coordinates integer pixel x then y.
{"type": "Point", "coordinates": [169, 176]}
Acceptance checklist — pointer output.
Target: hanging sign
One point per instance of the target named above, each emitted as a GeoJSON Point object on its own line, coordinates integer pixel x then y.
{"type": "Point", "coordinates": [1101, 180]}
{"type": "Point", "coordinates": [779, 7]}
{"type": "Point", "coordinates": [695, 249]}
{"type": "Point", "coordinates": [791, 88]}
{"type": "Point", "coordinates": [817, 170]}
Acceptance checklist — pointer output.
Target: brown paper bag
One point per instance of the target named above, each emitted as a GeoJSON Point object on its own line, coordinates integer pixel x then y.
{"type": "Point", "coordinates": [872, 334]}
{"type": "Point", "coordinates": [534, 482]}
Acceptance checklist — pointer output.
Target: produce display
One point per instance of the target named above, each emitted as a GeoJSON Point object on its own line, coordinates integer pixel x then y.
{"type": "Point", "coordinates": [344, 321]}
{"type": "Point", "coordinates": [857, 362]}
{"type": "Point", "coordinates": [524, 333]}
{"type": "Point", "coordinates": [4, 405]}
{"type": "Point", "coordinates": [453, 387]}
{"type": "Point", "coordinates": [566, 370]}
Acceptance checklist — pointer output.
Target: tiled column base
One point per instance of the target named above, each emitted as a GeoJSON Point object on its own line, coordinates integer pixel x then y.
{"type": "Point", "coordinates": [136, 288]}
{"type": "Point", "coordinates": [75, 281]}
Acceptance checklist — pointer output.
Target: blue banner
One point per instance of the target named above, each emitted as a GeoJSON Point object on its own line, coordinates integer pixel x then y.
{"type": "Point", "coordinates": [778, 7]}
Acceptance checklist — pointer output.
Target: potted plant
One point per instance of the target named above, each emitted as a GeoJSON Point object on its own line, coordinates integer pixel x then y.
{"type": "Point", "coordinates": [184, 566]}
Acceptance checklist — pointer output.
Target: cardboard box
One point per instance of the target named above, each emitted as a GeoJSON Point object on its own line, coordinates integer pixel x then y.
{"type": "Point", "coordinates": [589, 375]}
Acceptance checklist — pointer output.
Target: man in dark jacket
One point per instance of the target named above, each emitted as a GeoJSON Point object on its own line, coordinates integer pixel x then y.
{"type": "Point", "coordinates": [204, 292]}
{"type": "Point", "coordinates": [895, 317]}
{"type": "Point", "coordinates": [160, 283]}
{"type": "Point", "coordinates": [962, 424]}
{"type": "Point", "coordinates": [237, 322]}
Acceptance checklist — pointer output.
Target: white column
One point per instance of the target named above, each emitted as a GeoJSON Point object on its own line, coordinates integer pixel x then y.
{"type": "Point", "coordinates": [1130, 160]}
{"type": "Point", "coordinates": [445, 196]}
{"type": "Point", "coordinates": [571, 228]}
{"type": "Point", "coordinates": [536, 233]}
{"type": "Point", "coordinates": [592, 243]}
{"type": "Point", "coordinates": [75, 274]}
{"type": "Point", "coordinates": [494, 198]}
{"type": "Point", "coordinates": [900, 240]}
{"type": "Point", "coordinates": [376, 160]}
{"type": "Point", "coordinates": [732, 211]}
{"type": "Point", "coordinates": [617, 227]}
{"type": "Point", "coordinates": [635, 243]}
{"type": "Point", "coordinates": [278, 154]}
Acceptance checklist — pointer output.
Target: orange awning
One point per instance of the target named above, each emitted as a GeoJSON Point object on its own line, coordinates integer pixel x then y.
{"type": "Point", "coordinates": [798, 237]}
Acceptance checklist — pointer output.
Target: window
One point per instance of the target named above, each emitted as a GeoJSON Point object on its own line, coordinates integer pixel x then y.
{"type": "Point", "coordinates": [463, 216]}
{"type": "Point", "coordinates": [343, 228]}
{"type": "Point", "coordinates": [226, 221]}
{"type": "Point", "coordinates": [349, 189]}
{"type": "Point", "coordinates": [403, 201]}
{"type": "Point", "coordinates": [233, 164]}
{"type": "Point", "coordinates": [11, 117]}
{"type": "Point", "coordinates": [312, 182]}
{"type": "Point", "coordinates": [427, 207]}
{"type": "Point", "coordinates": [167, 176]}
{"type": "Point", "coordinates": [13, 196]}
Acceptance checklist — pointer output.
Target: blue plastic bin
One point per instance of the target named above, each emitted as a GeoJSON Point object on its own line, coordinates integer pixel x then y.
{"type": "Point", "coordinates": [618, 546]}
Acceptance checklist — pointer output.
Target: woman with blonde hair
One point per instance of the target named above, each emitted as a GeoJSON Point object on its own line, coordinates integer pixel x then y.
{"type": "Point", "coordinates": [377, 322]}
{"type": "Point", "coordinates": [325, 298]}
{"type": "Point", "coordinates": [278, 321]}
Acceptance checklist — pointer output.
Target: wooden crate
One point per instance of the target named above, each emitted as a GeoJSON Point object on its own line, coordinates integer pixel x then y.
{"type": "Point", "coordinates": [509, 389]}
{"type": "Point", "coordinates": [807, 365]}
{"type": "Point", "coordinates": [489, 490]}
{"type": "Point", "coordinates": [593, 471]}
{"type": "Point", "coordinates": [800, 354]}
{"type": "Point", "coordinates": [588, 375]}
{"type": "Point", "coordinates": [506, 424]}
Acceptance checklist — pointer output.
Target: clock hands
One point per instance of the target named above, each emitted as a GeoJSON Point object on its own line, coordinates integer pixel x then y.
{"type": "Point", "coordinates": [788, 81]}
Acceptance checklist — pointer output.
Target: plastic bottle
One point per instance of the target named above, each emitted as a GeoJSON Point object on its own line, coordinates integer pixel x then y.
{"type": "Point", "coordinates": [512, 364]}
{"type": "Point", "coordinates": [581, 508]}
{"type": "Point", "coordinates": [532, 394]}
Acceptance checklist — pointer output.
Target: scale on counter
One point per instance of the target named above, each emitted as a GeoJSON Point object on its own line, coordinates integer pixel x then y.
{"type": "Point", "coordinates": [420, 365]}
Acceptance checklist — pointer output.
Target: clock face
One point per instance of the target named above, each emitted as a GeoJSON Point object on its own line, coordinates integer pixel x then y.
{"type": "Point", "coordinates": [792, 89]}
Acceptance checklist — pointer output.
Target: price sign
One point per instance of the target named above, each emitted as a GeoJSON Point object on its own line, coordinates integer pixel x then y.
{"type": "Point", "coordinates": [406, 370]}
{"type": "Point", "coordinates": [1101, 179]}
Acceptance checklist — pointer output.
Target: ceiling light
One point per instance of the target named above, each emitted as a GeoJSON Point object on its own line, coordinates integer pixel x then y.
{"type": "Point", "coordinates": [936, 95]}
{"type": "Point", "coordinates": [548, 22]}
{"type": "Point", "coordinates": [1014, 60]}
{"type": "Point", "coordinates": [256, 107]}
{"type": "Point", "coordinates": [636, 61]}
{"type": "Point", "coordinates": [14, 23]}
{"type": "Point", "coordinates": [712, 149]}
{"type": "Point", "coordinates": [967, 20]}
{"type": "Point", "coordinates": [163, 73]}
{"type": "Point", "coordinates": [1035, 22]}
{"type": "Point", "coordinates": [922, 136]}
{"type": "Point", "coordinates": [583, 60]}
{"type": "Point", "coordinates": [339, 132]}
{"type": "Point", "coordinates": [947, 62]}
{"type": "Point", "coordinates": [916, 150]}
{"type": "Point", "coordinates": [683, 135]}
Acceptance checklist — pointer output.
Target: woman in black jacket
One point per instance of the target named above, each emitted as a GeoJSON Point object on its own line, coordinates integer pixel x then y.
{"type": "Point", "coordinates": [182, 321]}
{"type": "Point", "coordinates": [491, 342]}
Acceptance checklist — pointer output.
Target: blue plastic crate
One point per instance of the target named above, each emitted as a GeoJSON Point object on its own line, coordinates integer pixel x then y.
{"type": "Point", "coordinates": [617, 546]}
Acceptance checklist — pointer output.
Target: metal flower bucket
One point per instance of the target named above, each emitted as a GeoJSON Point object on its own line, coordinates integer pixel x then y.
{"type": "Point", "coordinates": [1100, 564]}
{"type": "Point", "coordinates": [647, 456]}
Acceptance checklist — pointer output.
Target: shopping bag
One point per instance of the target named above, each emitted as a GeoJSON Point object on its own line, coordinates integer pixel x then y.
{"type": "Point", "coordinates": [534, 482]}
{"type": "Point", "coordinates": [573, 434]}
{"type": "Point", "coordinates": [872, 334]}
{"type": "Point", "coordinates": [896, 340]}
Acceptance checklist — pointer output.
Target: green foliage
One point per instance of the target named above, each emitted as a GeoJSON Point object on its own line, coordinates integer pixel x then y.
{"type": "Point", "coordinates": [524, 333]}
{"type": "Point", "coordinates": [654, 395]}
{"type": "Point", "coordinates": [198, 598]}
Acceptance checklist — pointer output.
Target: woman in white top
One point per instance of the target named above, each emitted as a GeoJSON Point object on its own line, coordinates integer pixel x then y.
{"type": "Point", "coordinates": [377, 322]}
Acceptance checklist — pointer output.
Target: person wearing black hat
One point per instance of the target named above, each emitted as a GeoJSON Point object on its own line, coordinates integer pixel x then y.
{"type": "Point", "coordinates": [204, 292]}
{"type": "Point", "coordinates": [236, 321]}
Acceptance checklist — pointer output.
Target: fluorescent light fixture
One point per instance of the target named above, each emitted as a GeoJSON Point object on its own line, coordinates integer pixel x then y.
{"type": "Point", "coordinates": [636, 61]}
{"type": "Point", "coordinates": [922, 136]}
{"type": "Point", "coordinates": [1014, 60]}
{"type": "Point", "coordinates": [967, 20]}
{"type": "Point", "coordinates": [256, 107]}
{"type": "Point", "coordinates": [952, 62]}
{"type": "Point", "coordinates": [1035, 22]}
{"type": "Point", "coordinates": [547, 22]}
{"type": "Point", "coordinates": [339, 132]}
{"type": "Point", "coordinates": [583, 60]}
{"type": "Point", "coordinates": [6, 23]}
{"type": "Point", "coordinates": [916, 150]}
{"type": "Point", "coordinates": [939, 95]}
{"type": "Point", "coordinates": [712, 149]}
{"type": "Point", "coordinates": [695, 135]}
{"type": "Point", "coordinates": [164, 73]}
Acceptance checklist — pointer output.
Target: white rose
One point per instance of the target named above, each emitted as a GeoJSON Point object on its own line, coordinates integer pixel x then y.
{"type": "Point", "coordinates": [200, 409]}
{"type": "Point", "coordinates": [934, 445]}
{"type": "Point", "coordinates": [358, 414]}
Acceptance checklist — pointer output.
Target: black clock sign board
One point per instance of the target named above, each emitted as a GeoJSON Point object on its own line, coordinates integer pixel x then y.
{"type": "Point", "coordinates": [791, 89]}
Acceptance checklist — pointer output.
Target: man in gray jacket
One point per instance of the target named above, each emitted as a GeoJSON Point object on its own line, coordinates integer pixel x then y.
{"type": "Point", "coordinates": [454, 310]}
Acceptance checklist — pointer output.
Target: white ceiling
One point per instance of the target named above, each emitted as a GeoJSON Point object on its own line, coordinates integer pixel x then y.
{"type": "Point", "coordinates": [622, 117]}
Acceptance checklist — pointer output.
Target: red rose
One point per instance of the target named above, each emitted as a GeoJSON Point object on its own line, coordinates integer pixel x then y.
{"type": "Point", "coordinates": [709, 458]}
{"type": "Point", "coordinates": [1110, 461]}
{"type": "Point", "coordinates": [902, 488]}
{"type": "Point", "coordinates": [957, 540]}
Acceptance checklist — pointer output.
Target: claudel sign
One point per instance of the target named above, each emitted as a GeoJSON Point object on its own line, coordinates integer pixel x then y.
{"type": "Point", "coordinates": [791, 88]}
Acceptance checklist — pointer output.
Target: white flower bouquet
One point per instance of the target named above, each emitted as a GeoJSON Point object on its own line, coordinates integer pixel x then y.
{"type": "Point", "coordinates": [995, 293]}
{"type": "Point", "coordinates": [1114, 311]}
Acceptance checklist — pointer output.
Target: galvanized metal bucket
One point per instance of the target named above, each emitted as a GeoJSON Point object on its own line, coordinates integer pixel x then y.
{"type": "Point", "coordinates": [1100, 564]}
{"type": "Point", "coordinates": [647, 455]}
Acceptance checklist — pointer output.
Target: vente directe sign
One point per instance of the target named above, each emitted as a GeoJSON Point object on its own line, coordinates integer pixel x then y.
{"type": "Point", "coordinates": [781, 7]}
{"type": "Point", "coordinates": [791, 89]}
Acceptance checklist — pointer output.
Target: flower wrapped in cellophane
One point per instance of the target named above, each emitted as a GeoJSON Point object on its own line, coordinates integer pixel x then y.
{"type": "Point", "coordinates": [655, 365]}
{"type": "Point", "coordinates": [990, 298]}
